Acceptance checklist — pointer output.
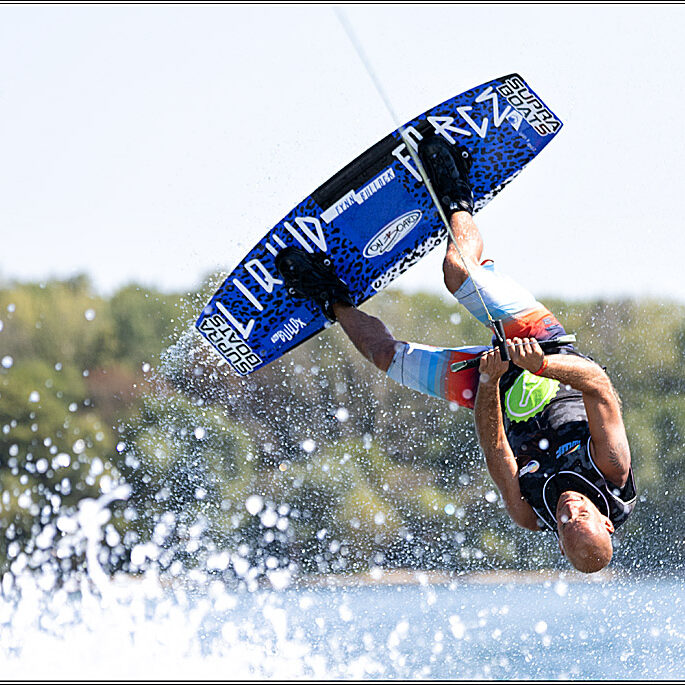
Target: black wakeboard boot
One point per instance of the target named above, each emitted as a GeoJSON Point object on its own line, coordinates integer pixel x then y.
{"type": "Point", "coordinates": [447, 167]}
{"type": "Point", "coordinates": [311, 276]}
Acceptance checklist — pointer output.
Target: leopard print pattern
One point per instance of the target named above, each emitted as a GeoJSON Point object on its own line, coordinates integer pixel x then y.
{"type": "Point", "coordinates": [252, 301]}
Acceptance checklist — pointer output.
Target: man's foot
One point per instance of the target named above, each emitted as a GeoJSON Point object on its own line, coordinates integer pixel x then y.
{"type": "Point", "coordinates": [311, 275]}
{"type": "Point", "coordinates": [447, 167]}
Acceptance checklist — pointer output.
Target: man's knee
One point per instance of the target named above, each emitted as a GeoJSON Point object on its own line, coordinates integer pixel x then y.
{"type": "Point", "coordinates": [384, 352]}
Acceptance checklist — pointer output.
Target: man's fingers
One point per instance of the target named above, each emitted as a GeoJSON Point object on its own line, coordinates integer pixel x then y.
{"type": "Point", "coordinates": [526, 353]}
{"type": "Point", "coordinates": [517, 349]}
{"type": "Point", "coordinates": [486, 360]}
{"type": "Point", "coordinates": [491, 366]}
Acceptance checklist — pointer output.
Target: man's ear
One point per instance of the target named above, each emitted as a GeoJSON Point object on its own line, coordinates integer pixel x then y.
{"type": "Point", "coordinates": [561, 547]}
{"type": "Point", "coordinates": [608, 524]}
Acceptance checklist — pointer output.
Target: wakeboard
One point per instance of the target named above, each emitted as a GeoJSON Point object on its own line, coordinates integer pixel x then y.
{"type": "Point", "coordinates": [374, 219]}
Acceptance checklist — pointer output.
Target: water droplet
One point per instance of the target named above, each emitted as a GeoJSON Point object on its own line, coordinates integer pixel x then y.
{"type": "Point", "coordinates": [34, 396]}
{"type": "Point", "coordinates": [342, 414]}
{"type": "Point", "coordinates": [543, 444]}
{"type": "Point", "coordinates": [67, 524]}
{"type": "Point", "coordinates": [467, 394]}
{"type": "Point", "coordinates": [449, 509]}
{"type": "Point", "coordinates": [200, 433]}
{"type": "Point", "coordinates": [269, 518]}
{"type": "Point", "coordinates": [491, 496]}
{"type": "Point", "coordinates": [89, 314]}
{"type": "Point", "coordinates": [78, 446]}
{"type": "Point", "coordinates": [279, 578]}
{"type": "Point", "coordinates": [62, 460]}
{"type": "Point", "coordinates": [540, 627]}
{"type": "Point", "coordinates": [254, 504]}
{"type": "Point", "coordinates": [146, 367]}
{"type": "Point", "coordinates": [457, 627]}
{"type": "Point", "coordinates": [561, 588]}
{"type": "Point", "coordinates": [308, 445]}
{"type": "Point", "coordinates": [455, 318]}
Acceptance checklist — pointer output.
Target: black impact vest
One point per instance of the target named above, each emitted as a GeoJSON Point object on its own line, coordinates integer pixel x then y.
{"type": "Point", "coordinates": [546, 425]}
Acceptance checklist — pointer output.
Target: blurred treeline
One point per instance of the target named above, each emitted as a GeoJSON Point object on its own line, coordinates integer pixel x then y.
{"type": "Point", "coordinates": [318, 463]}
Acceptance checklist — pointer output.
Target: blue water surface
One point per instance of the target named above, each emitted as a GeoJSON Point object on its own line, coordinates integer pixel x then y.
{"type": "Point", "coordinates": [621, 629]}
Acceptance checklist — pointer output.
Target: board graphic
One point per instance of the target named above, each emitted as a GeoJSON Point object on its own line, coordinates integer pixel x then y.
{"type": "Point", "coordinates": [374, 219]}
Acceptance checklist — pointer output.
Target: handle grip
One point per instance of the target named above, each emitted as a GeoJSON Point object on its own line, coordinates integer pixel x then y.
{"type": "Point", "coordinates": [501, 340]}
{"type": "Point", "coordinates": [548, 346]}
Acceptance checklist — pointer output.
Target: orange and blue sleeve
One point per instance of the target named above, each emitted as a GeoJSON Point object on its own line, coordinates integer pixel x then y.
{"type": "Point", "coordinates": [428, 369]}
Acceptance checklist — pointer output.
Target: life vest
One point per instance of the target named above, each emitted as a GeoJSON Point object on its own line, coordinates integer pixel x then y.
{"type": "Point", "coordinates": [546, 425]}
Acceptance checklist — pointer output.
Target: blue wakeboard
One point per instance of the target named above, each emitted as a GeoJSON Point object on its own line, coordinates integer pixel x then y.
{"type": "Point", "coordinates": [374, 219]}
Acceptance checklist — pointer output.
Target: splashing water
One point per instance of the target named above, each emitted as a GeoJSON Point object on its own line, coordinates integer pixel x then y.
{"type": "Point", "coordinates": [194, 600]}
{"type": "Point", "coordinates": [143, 627]}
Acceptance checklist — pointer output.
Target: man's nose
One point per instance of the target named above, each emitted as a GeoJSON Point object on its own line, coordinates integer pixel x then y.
{"type": "Point", "coordinates": [573, 507]}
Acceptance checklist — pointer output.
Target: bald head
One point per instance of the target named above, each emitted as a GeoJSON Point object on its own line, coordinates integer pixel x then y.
{"type": "Point", "coordinates": [584, 533]}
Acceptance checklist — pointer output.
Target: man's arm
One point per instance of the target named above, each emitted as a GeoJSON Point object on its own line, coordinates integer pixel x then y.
{"type": "Point", "coordinates": [499, 457]}
{"type": "Point", "coordinates": [611, 452]}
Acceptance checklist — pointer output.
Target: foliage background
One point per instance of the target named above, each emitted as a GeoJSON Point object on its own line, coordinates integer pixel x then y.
{"type": "Point", "coordinates": [317, 463]}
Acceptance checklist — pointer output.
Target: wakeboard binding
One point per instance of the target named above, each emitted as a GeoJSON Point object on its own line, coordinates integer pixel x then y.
{"type": "Point", "coordinates": [311, 276]}
{"type": "Point", "coordinates": [447, 167]}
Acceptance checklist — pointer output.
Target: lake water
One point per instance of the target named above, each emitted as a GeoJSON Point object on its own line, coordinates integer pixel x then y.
{"type": "Point", "coordinates": [618, 629]}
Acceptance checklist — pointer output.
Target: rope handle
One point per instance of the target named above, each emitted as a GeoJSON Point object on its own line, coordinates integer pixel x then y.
{"type": "Point", "coordinates": [548, 347]}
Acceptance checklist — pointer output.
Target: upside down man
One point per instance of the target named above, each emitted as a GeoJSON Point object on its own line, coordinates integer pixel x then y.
{"type": "Point", "coordinates": [550, 426]}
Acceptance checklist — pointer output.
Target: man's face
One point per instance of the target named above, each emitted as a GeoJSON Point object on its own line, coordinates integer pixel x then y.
{"type": "Point", "coordinates": [581, 526]}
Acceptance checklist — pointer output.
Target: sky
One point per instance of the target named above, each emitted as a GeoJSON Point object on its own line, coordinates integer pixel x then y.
{"type": "Point", "coordinates": [157, 143]}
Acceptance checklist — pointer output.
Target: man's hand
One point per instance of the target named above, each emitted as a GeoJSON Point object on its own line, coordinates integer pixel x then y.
{"type": "Point", "coordinates": [526, 353]}
{"type": "Point", "coordinates": [491, 367]}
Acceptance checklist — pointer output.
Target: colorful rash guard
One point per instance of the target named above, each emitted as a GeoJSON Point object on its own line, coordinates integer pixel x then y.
{"type": "Point", "coordinates": [545, 422]}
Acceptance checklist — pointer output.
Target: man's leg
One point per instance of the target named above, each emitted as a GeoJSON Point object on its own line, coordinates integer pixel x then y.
{"type": "Point", "coordinates": [521, 314]}
{"type": "Point", "coordinates": [488, 294]}
{"type": "Point", "coordinates": [484, 292]}
{"type": "Point", "coordinates": [420, 367]}
{"type": "Point", "coordinates": [469, 243]}
{"type": "Point", "coordinates": [311, 275]}
{"type": "Point", "coordinates": [368, 334]}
